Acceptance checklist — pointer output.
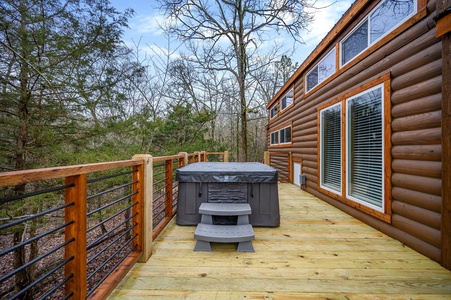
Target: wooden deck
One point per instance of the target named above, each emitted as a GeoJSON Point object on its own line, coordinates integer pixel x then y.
{"type": "Point", "coordinates": [318, 252]}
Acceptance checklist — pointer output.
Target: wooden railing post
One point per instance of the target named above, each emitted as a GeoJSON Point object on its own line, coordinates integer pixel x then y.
{"type": "Point", "coordinates": [225, 156]}
{"type": "Point", "coordinates": [290, 167]}
{"type": "Point", "coordinates": [197, 156]}
{"type": "Point", "coordinates": [77, 231]}
{"type": "Point", "coordinates": [146, 184]}
{"type": "Point", "coordinates": [138, 209]}
{"type": "Point", "coordinates": [184, 159]}
{"type": "Point", "coordinates": [168, 188]}
{"type": "Point", "coordinates": [267, 158]}
{"type": "Point", "coordinates": [203, 156]}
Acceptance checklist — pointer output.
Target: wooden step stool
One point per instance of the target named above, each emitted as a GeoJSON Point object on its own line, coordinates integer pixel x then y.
{"type": "Point", "coordinates": [241, 233]}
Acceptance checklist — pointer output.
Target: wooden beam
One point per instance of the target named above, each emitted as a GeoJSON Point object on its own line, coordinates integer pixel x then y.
{"type": "Point", "coordinates": [225, 156]}
{"type": "Point", "coordinates": [26, 176]}
{"type": "Point", "coordinates": [168, 189]}
{"type": "Point", "coordinates": [138, 209]}
{"type": "Point", "coordinates": [443, 26]}
{"type": "Point", "coordinates": [146, 184]}
{"type": "Point", "coordinates": [76, 250]}
{"type": "Point", "coordinates": [184, 159]}
{"type": "Point", "coordinates": [267, 158]}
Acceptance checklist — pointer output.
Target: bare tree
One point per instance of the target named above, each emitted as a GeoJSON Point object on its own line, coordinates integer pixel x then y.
{"type": "Point", "coordinates": [43, 44]}
{"type": "Point", "coordinates": [231, 33]}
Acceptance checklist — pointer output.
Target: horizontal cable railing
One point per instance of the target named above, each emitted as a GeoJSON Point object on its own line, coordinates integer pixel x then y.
{"type": "Point", "coordinates": [111, 204]}
{"type": "Point", "coordinates": [26, 222]}
{"type": "Point", "coordinates": [73, 232]}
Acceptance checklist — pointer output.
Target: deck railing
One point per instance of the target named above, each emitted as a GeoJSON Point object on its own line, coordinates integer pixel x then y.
{"type": "Point", "coordinates": [75, 231]}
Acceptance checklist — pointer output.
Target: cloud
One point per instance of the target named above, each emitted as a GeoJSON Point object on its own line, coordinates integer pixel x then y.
{"type": "Point", "coordinates": [327, 14]}
{"type": "Point", "coordinates": [149, 24]}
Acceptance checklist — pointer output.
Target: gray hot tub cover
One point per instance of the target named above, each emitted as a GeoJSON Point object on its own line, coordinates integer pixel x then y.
{"type": "Point", "coordinates": [227, 172]}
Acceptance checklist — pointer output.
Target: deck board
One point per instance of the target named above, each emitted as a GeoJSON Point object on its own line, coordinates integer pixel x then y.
{"type": "Point", "coordinates": [318, 252]}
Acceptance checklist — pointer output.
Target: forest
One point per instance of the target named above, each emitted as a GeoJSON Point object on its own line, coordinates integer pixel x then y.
{"type": "Point", "coordinates": [72, 92]}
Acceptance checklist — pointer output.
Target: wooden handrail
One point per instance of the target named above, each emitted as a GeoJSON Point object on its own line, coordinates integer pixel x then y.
{"type": "Point", "coordinates": [76, 211]}
{"type": "Point", "coordinates": [27, 176]}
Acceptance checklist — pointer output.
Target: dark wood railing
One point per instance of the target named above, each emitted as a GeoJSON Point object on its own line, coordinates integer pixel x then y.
{"type": "Point", "coordinates": [75, 231]}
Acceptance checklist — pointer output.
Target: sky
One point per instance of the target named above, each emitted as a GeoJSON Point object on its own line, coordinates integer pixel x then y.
{"type": "Point", "coordinates": [144, 29]}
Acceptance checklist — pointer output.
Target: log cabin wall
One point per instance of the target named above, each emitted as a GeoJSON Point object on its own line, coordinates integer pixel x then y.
{"type": "Point", "coordinates": [408, 62]}
{"type": "Point", "coordinates": [279, 160]}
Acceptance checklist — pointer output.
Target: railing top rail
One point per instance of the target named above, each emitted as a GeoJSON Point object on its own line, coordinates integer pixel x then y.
{"type": "Point", "coordinates": [26, 176]}
{"type": "Point", "coordinates": [163, 158]}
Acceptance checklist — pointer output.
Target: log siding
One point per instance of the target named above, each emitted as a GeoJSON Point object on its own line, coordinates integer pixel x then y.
{"type": "Point", "coordinates": [409, 61]}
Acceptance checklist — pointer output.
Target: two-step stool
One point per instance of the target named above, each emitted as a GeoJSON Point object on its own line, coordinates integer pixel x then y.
{"type": "Point", "coordinates": [241, 233]}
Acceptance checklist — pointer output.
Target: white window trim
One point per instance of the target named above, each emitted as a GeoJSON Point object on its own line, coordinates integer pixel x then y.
{"type": "Point", "coordinates": [278, 132]}
{"type": "Point", "coordinates": [322, 157]}
{"type": "Point", "coordinates": [270, 137]}
{"type": "Point", "coordinates": [292, 100]}
{"type": "Point", "coordinates": [377, 208]}
{"type": "Point", "coordinates": [274, 107]}
{"type": "Point", "coordinates": [317, 66]}
{"type": "Point", "coordinates": [291, 135]}
{"type": "Point", "coordinates": [415, 10]}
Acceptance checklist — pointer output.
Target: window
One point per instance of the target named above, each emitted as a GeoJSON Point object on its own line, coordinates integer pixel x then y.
{"type": "Point", "coordinates": [355, 43]}
{"type": "Point", "coordinates": [381, 20]}
{"type": "Point", "coordinates": [353, 160]}
{"type": "Point", "coordinates": [365, 155]}
{"type": "Point", "coordinates": [285, 135]}
{"type": "Point", "coordinates": [321, 71]}
{"type": "Point", "coordinates": [286, 100]}
{"type": "Point", "coordinates": [387, 15]}
{"type": "Point", "coordinates": [330, 147]}
{"type": "Point", "coordinates": [273, 111]}
{"type": "Point", "coordinates": [275, 138]}
{"type": "Point", "coordinates": [281, 136]}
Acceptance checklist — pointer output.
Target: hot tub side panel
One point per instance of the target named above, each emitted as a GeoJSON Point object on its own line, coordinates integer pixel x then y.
{"type": "Point", "coordinates": [262, 197]}
{"type": "Point", "coordinates": [264, 201]}
{"type": "Point", "coordinates": [191, 196]}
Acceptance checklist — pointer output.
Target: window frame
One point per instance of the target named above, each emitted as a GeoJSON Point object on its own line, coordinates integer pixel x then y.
{"type": "Point", "coordinates": [290, 90]}
{"type": "Point", "coordinates": [348, 155]}
{"type": "Point", "coordinates": [284, 129]}
{"type": "Point", "coordinates": [274, 108]}
{"type": "Point", "coordinates": [271, 143]}
{"type": "Point", "coordinates": [384, 214]}
{"type": "Point", "coordinates": [369, 43]}
{"type": "Point", "coordinates": [317, 68]}
{"type": "Point", "coordinates": [278, 131]}
{"type": "Point", "coordinates": [321, 148]}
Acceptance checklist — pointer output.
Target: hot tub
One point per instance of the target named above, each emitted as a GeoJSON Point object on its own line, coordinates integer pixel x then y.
{"type": "Point", "coordinates": [216, 182]}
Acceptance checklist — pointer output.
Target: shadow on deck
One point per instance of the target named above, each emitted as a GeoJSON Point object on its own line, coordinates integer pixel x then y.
{"type": "Point", "coordinates": [318, 252]}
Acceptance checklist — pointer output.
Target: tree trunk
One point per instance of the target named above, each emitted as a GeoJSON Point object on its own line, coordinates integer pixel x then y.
{"type": "Point", "coordinates": [242, 72]}
{"type": "Point", "coordinates": [24, 97]}
{"type": "Point", "coordinates": [22, 278]}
